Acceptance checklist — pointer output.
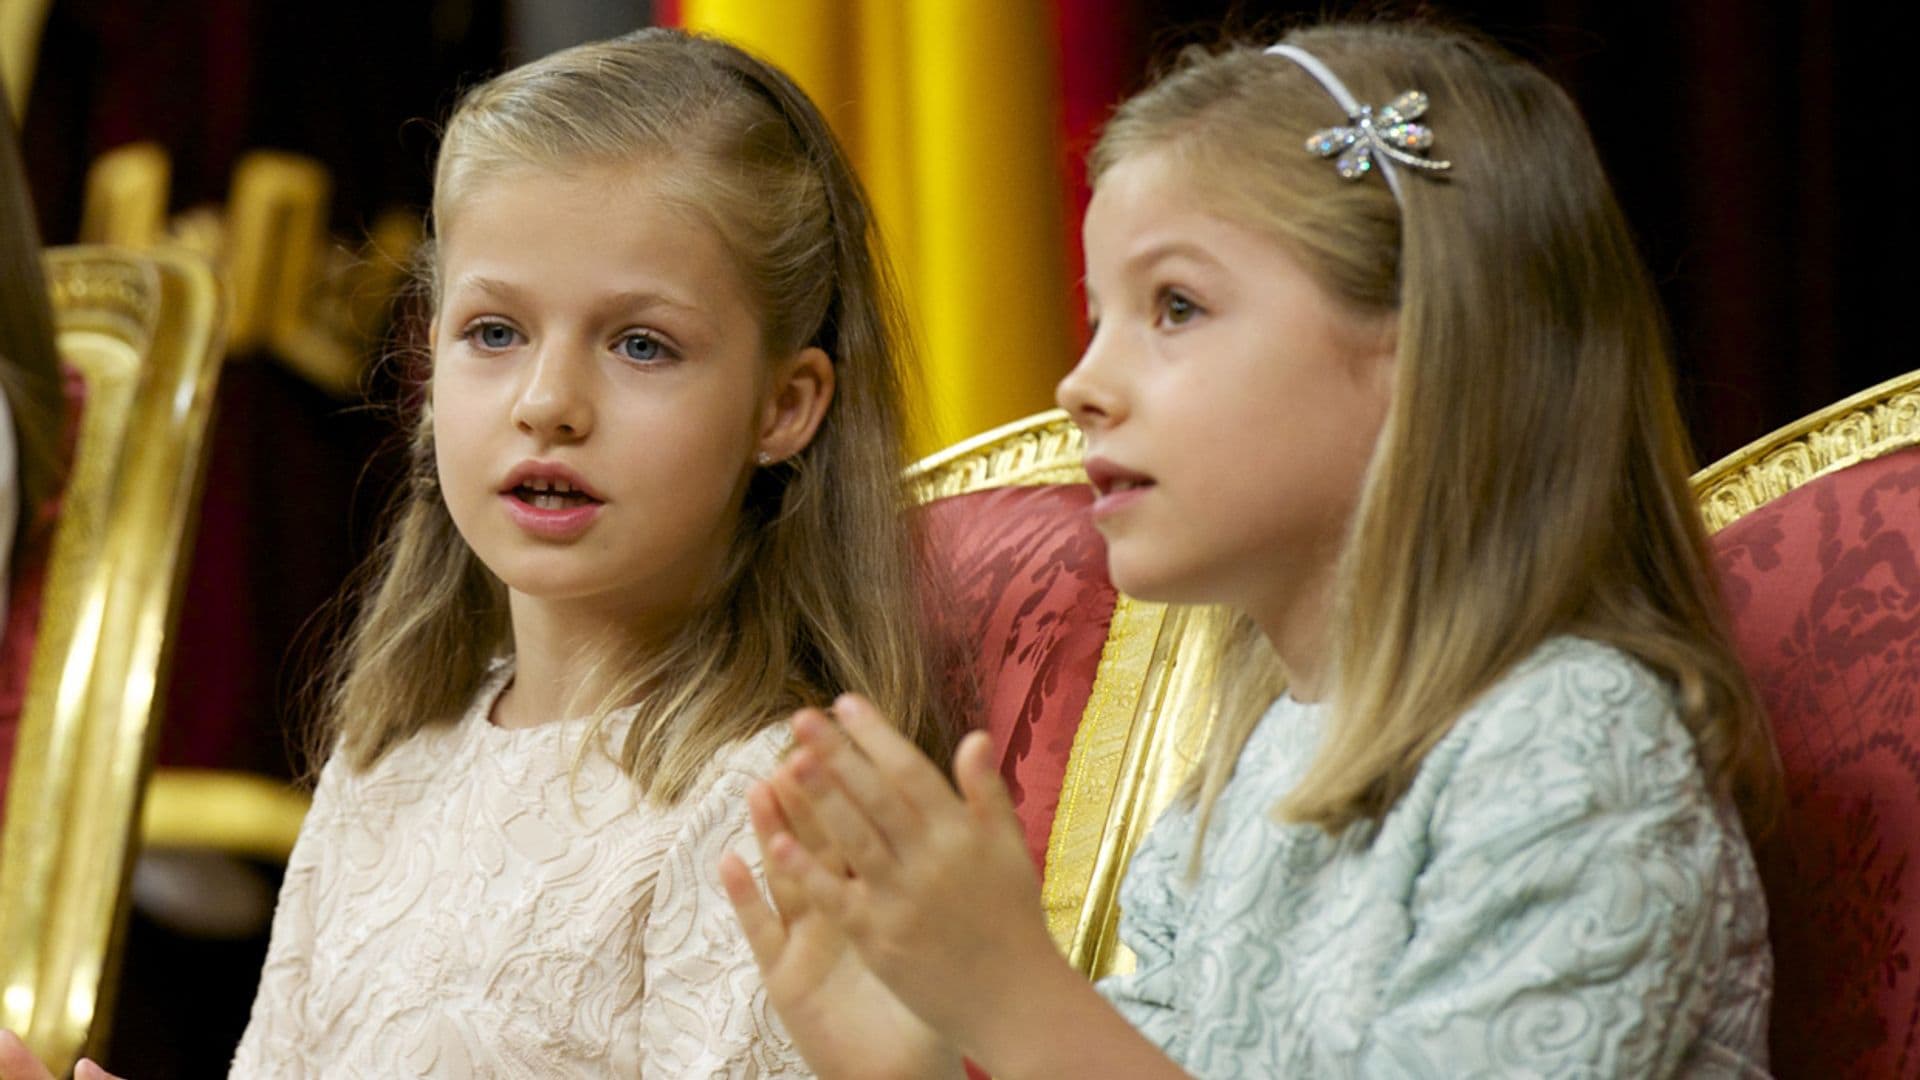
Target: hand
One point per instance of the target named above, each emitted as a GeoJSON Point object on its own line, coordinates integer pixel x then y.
{"type": "Point", "coordinates": [18, 1063]}
{"type": "Point", "coordinates": [943, 903]}
{"type": "Point", "coordinates": [844, 1021]}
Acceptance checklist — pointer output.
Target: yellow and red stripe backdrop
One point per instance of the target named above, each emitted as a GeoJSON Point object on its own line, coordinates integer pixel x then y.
{"type": "Point", "coordinates": [951, 113]}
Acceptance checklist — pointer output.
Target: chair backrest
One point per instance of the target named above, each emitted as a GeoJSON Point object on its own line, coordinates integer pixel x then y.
{"type": "Point", "coordinates": [1818, 546]}
{"type": "Point", "coordinates": [142, 334]}
{"type": "Point", "coordinates": [1088, 695]}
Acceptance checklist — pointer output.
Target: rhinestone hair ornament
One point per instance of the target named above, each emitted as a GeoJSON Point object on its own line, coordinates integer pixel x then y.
{"type": "Point", "coordinates": [1383, 137]}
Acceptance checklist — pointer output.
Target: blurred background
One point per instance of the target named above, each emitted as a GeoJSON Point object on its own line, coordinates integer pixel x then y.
{"type": "Point", "coordinates": [1757, 146]}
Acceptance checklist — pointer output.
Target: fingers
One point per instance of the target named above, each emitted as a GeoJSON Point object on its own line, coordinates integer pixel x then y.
{"type": "Point", "coordinates": [17, 1062]}
{"type": "Point", "coordinates": [978, 777]}
{"type": "Point", "coordinates": [817, 805]}
{"type": "Point", "coordinates": [87, 1070]}
{"type": "Point", "coordinates": [766, 934]}
{"type": "Point", "coordinates": [798, 819]}
{"type": "Point", "coordinates": [763, 810]}
{"type": "Point", "coordinates": [893, 755]}
{"type": "Point", "coordinates": [891, 808]}
{"type": "Point", "coordinates": [826, 890]}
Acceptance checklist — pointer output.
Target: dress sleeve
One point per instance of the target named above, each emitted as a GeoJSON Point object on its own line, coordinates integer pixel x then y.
{"type": "Point", "coordinates": [1573, 911]}
{"type": "Point", "coordinates": [705, 1011]}
{"type": "Point", "coordinates": [279, 1035]}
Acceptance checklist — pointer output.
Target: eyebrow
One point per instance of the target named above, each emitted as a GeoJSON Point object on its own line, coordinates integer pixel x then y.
{"type": "Point", "coordinates": [1166, 249]}
{"type": "Point", "coordinates": [620, 301]}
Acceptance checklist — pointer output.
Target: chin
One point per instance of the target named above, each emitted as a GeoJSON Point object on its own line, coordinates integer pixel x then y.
{"type": "Point", "coordinates": [1143, 582]}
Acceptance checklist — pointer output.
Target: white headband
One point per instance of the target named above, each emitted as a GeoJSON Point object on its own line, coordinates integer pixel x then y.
{"type": "Point", "coordinates": [1386, 136]}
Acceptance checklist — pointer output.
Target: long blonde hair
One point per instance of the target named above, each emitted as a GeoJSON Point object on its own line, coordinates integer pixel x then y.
{"type": "Point", "coordinates": [1530, 477]}
{"type": "Point", "coordinates": [819, 590]}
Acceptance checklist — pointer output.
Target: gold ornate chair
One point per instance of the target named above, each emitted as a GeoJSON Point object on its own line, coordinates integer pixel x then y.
{"type": "Point", "coordinates": [140, 332]}
{"type": "Point", "coordinates": [1817, 540]}
{"type": "Point", "coordinates": [1088, 694]}
{"type": "Point", "coordinates": [298, 297]}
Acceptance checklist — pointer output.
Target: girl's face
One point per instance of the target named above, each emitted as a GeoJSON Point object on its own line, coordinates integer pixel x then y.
{"type": "Point", "coordinates": [600, 392]}
{"type": "Point", "coordinates": [1230, 405]}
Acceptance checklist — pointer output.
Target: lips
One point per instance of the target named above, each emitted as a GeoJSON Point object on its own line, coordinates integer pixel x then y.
{"type": "Point", "coordinates": [549, 500]}
{"type": "Point", "coordinates": [1115, 486]}
{"type": "Point", "coordinates": [544, 494]}
{"type": "Point", "coordinates": [549, 485]}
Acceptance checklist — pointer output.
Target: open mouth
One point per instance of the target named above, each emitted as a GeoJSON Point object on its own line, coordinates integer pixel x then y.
{"type": "Point", "coordinates": [551, 495]}
{"type": "Point", "coordinates": [1111, 479]}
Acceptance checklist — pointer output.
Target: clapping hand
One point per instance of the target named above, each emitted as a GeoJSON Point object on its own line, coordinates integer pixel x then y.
{"type": "Point", "coordinates": [844, 1021]}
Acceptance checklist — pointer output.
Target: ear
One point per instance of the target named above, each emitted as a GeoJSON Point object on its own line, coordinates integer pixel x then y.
{"type": "Point", "coordinates": [796, 402]}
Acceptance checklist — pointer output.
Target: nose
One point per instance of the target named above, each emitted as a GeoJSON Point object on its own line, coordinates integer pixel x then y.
{"type": "Point", "coordinates": [554, 402]}
{"type": "Point", "coordinates": [1090, 393]}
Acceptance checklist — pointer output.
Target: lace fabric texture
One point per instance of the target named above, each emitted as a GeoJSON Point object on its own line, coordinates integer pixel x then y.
{"type": "Point", "coordinates": [1557, 894]}
{"type": "Point", "coordinates": [495, 903]}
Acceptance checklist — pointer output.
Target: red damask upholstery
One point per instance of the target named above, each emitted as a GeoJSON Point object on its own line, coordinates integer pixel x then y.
{"type": "Point", "coordinates": [1030, 603]}
{"type": "Point", "coordinates": [1823, 584]}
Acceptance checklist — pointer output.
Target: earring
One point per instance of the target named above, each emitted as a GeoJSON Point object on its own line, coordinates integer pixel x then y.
{"type": "Point", "coordinates": [763, 459]}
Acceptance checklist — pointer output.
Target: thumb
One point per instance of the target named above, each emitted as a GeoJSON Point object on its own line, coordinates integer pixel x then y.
{"type": "Point", "coordinates": [978, 777]}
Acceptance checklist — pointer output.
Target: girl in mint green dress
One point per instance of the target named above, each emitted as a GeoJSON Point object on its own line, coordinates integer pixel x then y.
{"type": "Point", "coordinates": [1374, 365]}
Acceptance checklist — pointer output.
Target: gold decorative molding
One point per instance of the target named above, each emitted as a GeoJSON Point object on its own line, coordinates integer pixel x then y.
{"type": "Point", "coordinates": [1143, 728]}
{"type": "Point", "coordinates": [1041, 449]}
{"type": "Point", "coordinates": [318, 307]}
{"type": "Point", "coordinates": [142, 332]}
{"type": "Point", "coordinates": [1874, 422]}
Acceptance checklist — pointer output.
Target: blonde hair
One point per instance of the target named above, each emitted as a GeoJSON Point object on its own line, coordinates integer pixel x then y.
{"type": "Point", "coordinates": [819, 590]}
{"type": "Point", "coordinates": [1530, 477]}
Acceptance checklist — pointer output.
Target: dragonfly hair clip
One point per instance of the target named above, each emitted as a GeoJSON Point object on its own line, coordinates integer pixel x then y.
{"type": "Point", "coordinates": [1385, 137]}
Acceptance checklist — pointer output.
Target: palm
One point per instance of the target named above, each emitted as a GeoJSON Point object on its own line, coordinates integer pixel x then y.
{"type": "Point", "coordinates": [839, 1011]}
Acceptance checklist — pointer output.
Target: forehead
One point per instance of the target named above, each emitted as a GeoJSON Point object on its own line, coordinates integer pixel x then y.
{"type": "Point", "coordinates": [1151, 204]}
{"type": "Point", "coordinates": [622, 225]}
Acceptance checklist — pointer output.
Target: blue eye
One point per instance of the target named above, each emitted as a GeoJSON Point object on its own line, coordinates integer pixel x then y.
{"type": "Point", "coordinates": [493, 335]}
{"type": "Point", "coordinates": [641, 348]}
{"type": "Point", "coordinates": [1177, 309]}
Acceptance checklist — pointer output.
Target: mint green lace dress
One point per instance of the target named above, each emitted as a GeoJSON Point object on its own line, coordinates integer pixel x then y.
{"type": "Point", "coordinates": [1558, 894]}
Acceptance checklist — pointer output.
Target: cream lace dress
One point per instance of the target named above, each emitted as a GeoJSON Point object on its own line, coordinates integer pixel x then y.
{"type": "Point", "coordinates": [474, 905]}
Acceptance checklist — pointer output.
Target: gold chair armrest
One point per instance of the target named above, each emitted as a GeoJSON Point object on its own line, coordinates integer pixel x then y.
{"type": "Point", "coordinates": [234, 812]}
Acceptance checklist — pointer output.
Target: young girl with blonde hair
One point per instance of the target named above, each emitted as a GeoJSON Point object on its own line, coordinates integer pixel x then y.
{"type": "Point", "coordinates": [1375, 365]}
{"type": "Point", "coordinates": [654, 506]}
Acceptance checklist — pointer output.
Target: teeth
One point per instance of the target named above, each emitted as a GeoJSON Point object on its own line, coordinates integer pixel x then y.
{"type": "Point", "coordinates": [543, 484]}
{"type": "Point", "coordinates": [1124, 485]}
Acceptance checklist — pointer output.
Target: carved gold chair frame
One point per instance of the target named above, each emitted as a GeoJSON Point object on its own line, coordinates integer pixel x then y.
{"type": "Point", "coordinates": [293, 293]}
{"type": "Point", "coordinates": [1870, 424]}
{"type": "Point", "coordinates": [142, 333]}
